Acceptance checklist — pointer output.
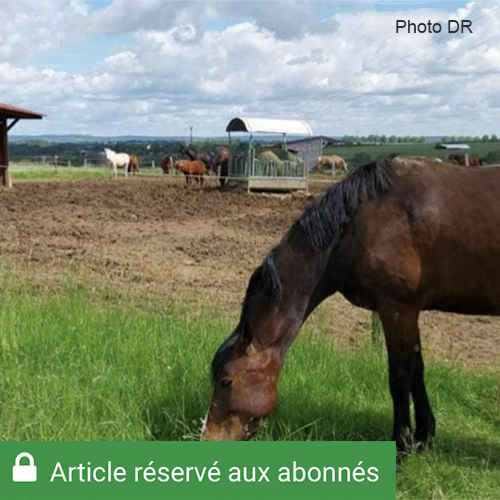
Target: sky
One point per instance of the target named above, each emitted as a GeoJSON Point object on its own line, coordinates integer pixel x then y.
{"type": "Point", "coordinates": [154, 67]}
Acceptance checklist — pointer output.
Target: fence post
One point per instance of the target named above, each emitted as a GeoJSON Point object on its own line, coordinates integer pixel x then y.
{"type": "Point", "coordinates": [377, 330]}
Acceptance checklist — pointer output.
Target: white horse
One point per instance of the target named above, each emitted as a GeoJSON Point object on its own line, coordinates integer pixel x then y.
{"type": "Point", "coordinates": [117, 160]}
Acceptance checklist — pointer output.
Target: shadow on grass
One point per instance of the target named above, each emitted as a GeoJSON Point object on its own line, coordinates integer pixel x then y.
{"type": "Point", "coordinates": [169, 420]}
{"type": "Point", "coordinates": [467, 451]}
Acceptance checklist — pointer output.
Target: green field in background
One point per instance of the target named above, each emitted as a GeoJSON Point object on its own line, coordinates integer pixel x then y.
{"type": "Point", "coordinates": [372, 152]}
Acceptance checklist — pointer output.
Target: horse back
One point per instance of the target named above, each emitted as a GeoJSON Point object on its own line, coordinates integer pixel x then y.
{"type": "Point", "coordinates": [432, 240]}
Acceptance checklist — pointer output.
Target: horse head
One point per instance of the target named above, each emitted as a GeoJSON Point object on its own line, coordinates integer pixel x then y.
{"type": "Point", "coordinates": [109, 153]}
{"type": "Point", "coordinates": [187, 149]}
{"type": "Point", "coordinates": [244, 389]}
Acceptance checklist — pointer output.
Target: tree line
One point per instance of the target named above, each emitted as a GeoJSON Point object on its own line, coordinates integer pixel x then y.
{"type": "Point", "coordinates": [375, 139]}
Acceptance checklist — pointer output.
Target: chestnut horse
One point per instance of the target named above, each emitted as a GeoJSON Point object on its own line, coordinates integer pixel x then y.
{"type": "Point", "coordinates": [134, 164]}
{"type": "Point", "coordinates": [396, 237]}
{"type": "Point", "coordinates": [194, 154]}
{"type": "Point", "coordinates": [167, 164]}
{"type": "Point", "coordinates": [192, 170]}
{"type": "Point", "coordinates": [334, 161]}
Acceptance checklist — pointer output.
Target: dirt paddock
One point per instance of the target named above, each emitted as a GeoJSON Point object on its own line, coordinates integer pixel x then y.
{"type": "Point", "coordinates": [154, 235]}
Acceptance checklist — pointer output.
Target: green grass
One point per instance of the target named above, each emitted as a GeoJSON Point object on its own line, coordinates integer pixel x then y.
{"type": "Point", "coordinates": [348, 152]}
{"type": "Point", "coordinates": [30, 172]}
{"type": "Point", "coordinates": [83, 363]}
{"type": "Point", "coordinates": [39, 173]}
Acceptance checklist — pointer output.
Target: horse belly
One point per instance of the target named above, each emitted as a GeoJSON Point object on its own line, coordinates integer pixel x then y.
{"type": "Point", "coordinates": [461, 261]}
{"type": "Point", "coordinates": [467, 285]}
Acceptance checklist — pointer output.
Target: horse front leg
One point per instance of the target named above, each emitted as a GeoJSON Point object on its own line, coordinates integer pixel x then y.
{"type": "Point", "coordinates": [425, 423]}
{"type": "Point", "coordinates": [401, 336]}
{"type": "Point", "coordinates": [126, 169]}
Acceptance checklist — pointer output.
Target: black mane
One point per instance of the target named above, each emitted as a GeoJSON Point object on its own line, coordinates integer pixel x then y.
{"type": "Point", "coordinates": [325, 220]}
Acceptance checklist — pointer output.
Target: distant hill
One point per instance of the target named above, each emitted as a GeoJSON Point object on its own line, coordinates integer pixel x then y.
{"type": "Point", "coordinates": [89, 139]}
{"type": "Point", "coordinates": [86, 139]}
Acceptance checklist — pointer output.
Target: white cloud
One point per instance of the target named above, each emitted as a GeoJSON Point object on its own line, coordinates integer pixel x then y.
{"type": "Point", "coordinates": [124, 63]}
{"type": "Point", "coordinates": [31, 29]}
{"type": "Point", "coordinates": [347, 74]}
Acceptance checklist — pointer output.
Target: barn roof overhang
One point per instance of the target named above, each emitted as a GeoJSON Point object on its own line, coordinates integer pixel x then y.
{"type": "Point", "coordinates": [269, 126]}
{"type": "Point", "coordinates": [326, 140]}
{"type": "Point", "coordinates": [13, 112]}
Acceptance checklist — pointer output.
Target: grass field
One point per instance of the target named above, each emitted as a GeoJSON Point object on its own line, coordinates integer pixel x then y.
{"type": "Point", "coordinates": [481, 149]}
{"type": "Point", "coordinates": [39, 173]}
{"type": "Point", "coordinates": [85, 363]}
{"type": "Point", "coordinates": [47, 173]}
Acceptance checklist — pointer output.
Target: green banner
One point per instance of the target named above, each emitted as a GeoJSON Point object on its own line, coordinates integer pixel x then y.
{"type": "Point", "coordinates": [197, 471]}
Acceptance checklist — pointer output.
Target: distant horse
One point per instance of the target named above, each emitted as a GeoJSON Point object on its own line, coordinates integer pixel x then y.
{"type": "Point", "coordinates": [394, 237]}
{"type": "Point", "coordinates": [459, 159]}
{"type": "Point", "coordinates": [167, 164]}
{"type": "Point", "coordinates": [194, 154]}
{"type": "Point", "coordinates": [117, 160]}
{"type": "Point", "coordinates": [192, 170]}
{"type": "Point", "coordinates": [334, 161]}
{"type": "Point", "coordinates": [219, 156]}
{"type": "Point", "coordinates": [134, 164]}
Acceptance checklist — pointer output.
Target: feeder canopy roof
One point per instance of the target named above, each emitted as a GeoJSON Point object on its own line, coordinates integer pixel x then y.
{"type": "Point", "coordinates": [269, 126]}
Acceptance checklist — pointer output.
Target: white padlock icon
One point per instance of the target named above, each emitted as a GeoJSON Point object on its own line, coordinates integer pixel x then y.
{"type": "Point", "coordinates": [24, 473]}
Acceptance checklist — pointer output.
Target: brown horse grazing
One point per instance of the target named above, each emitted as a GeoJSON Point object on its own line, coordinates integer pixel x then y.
{"type": "Point", "coordinates": [394, 237]}
{"type": "Point", "coordinates": [167, 164]}
{"type": "Point", "coordinates": [192, 170]}
{"type": "Point", "coordinates": [134, 164]}
{"type": "Point", "coordinates": [473, 161]}
{"type": "Point", "coordinates": [334, 161]}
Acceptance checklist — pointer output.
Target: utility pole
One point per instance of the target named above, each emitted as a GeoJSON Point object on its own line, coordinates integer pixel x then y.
{"type": "Point", "coordinates": [191, 127]}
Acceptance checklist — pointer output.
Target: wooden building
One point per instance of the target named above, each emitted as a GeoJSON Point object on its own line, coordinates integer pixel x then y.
{"type": "Point", "coordinates": [311, 148]}
{"type": "Point", "coordinates": [9, 116]}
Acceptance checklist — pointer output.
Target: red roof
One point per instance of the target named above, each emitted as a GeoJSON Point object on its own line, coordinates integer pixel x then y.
{"type": "Point", "coordinates": [8, 111]}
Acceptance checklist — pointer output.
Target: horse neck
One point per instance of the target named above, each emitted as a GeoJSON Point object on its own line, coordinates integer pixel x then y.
{"type": "Point", "coordinates": [192, 153]}
{"type": "Point", "coordinates": [300, 270]}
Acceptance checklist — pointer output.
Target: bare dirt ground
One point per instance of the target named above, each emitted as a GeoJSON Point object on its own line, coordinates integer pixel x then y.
{"type": "Point", "coordinates": [153, 235]}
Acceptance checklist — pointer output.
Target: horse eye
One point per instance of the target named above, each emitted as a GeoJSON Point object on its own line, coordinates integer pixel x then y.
{"type": "Point", "coordinates": [225, 382]}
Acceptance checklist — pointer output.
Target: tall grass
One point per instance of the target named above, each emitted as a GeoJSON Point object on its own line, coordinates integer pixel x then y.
{"type": "Point", "coordinates": [86, 364]}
